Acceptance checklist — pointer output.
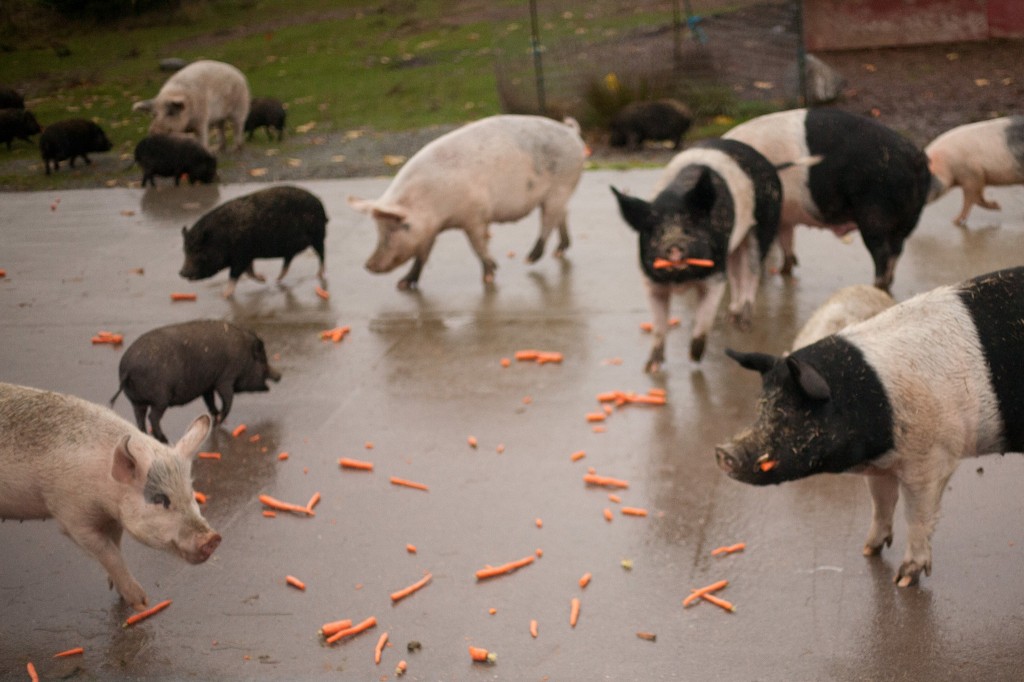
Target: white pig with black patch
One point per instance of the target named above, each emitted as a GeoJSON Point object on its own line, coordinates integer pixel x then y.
{"type": "Point", "coordinates": [713, 217]}
{"type": "Point", "coordinates": [870, 178]}
{"type": "Point", "coordinates": [203, 94]}
{"type": "Point", "coordinates": [495, 170]}
{"type": "Point", "coordinates": [97, 475]}
{"type": "Point", "coordinates": [975, 155]}
{"type": "Point", "coordinates": [902, 398]}
{"type": "Point", "coordinates": [844, 307]}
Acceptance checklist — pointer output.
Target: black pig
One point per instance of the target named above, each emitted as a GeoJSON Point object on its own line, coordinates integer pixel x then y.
{"type": "Point", "coordinates": [714, 216]}
{"type": "Point", "coordinates": [665, 119]}
{"type": "Point", "coordinates": [278, 222]}
{"type": "Point", "coordinates": [173, 156]}
{"type": "Point", "coordinates": [265, 112]}
{"type": "Point", "coordinates": [17, 123]}
{"type": "Point", "coordinates": [66, 140]}
{"type": "Point", "coordinates": [11, 99]}
{"type": "Point", "coordinates": [176, 364]}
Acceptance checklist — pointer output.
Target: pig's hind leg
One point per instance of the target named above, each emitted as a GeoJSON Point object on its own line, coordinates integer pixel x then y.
{"type": "Point", "coordinates": [885, 491]}
{"type": "Point", "coordinates": [553, 213]}
{"type": "Point", "coordinates": [156, 413]}
{"type": "Point", "coordinates": [211, 405]}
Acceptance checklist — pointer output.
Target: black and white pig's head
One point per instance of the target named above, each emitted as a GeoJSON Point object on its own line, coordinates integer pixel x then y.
{"type": "Point", "coordinates": [823, 409]}
{"type": "Point", "coordinates": [684, 232]}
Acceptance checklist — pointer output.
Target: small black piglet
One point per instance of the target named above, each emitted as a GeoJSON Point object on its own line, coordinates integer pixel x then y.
{"type": "Point", "coordinates": [176, 364]}
{"type": "Point", "coordinates": [11, 99]}
{"type": "Point", "coordinates": [171, 156]}
{"type": "Point", "coordinates": [69, 139]}
{"type": "Point", "coordinates": [277, 222]}
{"type": "Point", "coordinates": [265, 112]}
{"type": "Point", "coordinates": [665, 119]}
{"type": "Point", "coordinates": [17, 123]}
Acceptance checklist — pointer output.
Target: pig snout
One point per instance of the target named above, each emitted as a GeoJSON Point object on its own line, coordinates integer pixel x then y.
{"type": "Point", "coordinates": [730, 459]}
{"type": "Point", "coordinates": [747, 465]}
{"type": "Point", "coordinates": [273, 374]}
{"type": "Point", "coordinates": [206, 544]}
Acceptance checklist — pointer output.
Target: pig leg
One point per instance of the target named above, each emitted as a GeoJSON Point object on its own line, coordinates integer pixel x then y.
{"type": "Point", "coordinates": [227, 394]}
{"type": "Point", "coordinates": [211, 405]}
{"type": "Point", "coordinates": [156, 413]}
{"type": "Point", "coordinates": [922, 495]}
{"type": "Point", "coordinates": [658, 297]}
{"type": "Point", "coordinates": [885, 491]}
{"type": "Point", "coordinates": [478, 239]}
{"type": "Point", "coordinates": [711, 292]}
{"type": "Point", "coordinates": [974, 193]}
{"type": "Point", "coordinates": [256, 276]}
{"type": "Point", "coordinates": [140, 410]}
{"type": "Point", "coordinates": [553, 213]}
{"type": "Point", "coordinates": [785, 239]}
{"type": "Point", "coordinates": [284, 267]}
{"type": "Point", "coordinates": [884, 240]}
{"type": "Point", "coordinates": [104, 545]}
{"type": "Point", "coordinates": [744, 271]}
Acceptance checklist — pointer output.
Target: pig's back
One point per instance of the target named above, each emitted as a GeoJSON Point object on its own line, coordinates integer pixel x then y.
{"type": "Point", "coordinates": [994, 147]}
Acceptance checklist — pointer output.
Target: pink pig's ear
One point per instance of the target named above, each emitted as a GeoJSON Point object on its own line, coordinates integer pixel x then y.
{"type": "Point", "coordinates": [361, 205]}
{"type": "Point", "coordinates": [125, 467]}
{"type": "Point", "coordinates": [392, 212]}
{"type": "Point", "coordinates": [194, 435]}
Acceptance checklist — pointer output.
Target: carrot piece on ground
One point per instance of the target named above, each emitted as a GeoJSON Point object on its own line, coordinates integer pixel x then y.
{"type": "Point", "coordinates": [408, 484]}
{"type": "Point", "coordinates": [346, 463]}
{"type": "Point", "coordinates": [738, 547]}
{"type": "Point", "coordinates": [612, 497]}
{"type": "Point", "coordinates": [719, 602]}
{"type": "Point", "coordinates": [295, 582]}
{"type": "Point", "coordinates": [606, 481]}
{"type": "Point", "coordinates": [411, 549]}
{"type": "Point", "coordinates": [698, 593]}
{"type": "Point", "coordinates": [634, 511]}
{"type": "Point", "coordinates": [597, 428]}
{"type": "Point", "coordinates": [313, 501]}
{"type": "Point", "coordinates": [142, 615]}
{"type": "Point", "coordinates": [526, 354]}
{"type": "Point", "coordinates": [505, 362]}
{"type": "Point", "coordinates": [401, 668]}
{"type": "Point", "coordinates": [608, 514]}
{"type": "Point", "coordinates": [539, 522]}
{"type": "Point", "coordinates": [270, 513]}
{"type": "Point", "coordinates": [177, 296]}
{"type": "Point", "coordinates": [552, 356]}
{"type": "Point", "coordinates": [32, 674]}
{"type": "Point", "coordinates": [200, 497]}
{"type": "Point", "coordinates": [354, 630]}
{"type": "Point", "coordinates": [379, 649]}
{"type": "Point", "coordinates": [649, 636]}
{"type": "Point", "coordinates": [335, 626]}
{"type": "Point", "coordinates": [608, 396]}
{"type": "Point", "coordinates": [406, 591]}
{"type": "Point", "coordinates": [596, 416]}
{"type": "Point", "coordinates": [491, 571]}
{"type": "Point", "coordinates": [480, 655]}
{"type": "Point", "coordinates": [533, 629]}
{"type": "Point", "coordinates": [500, 449]}
{"type": "Point", "coordinates": [657, 392]}
{"type": "Point", "coordinates": [274, 503]}
{"type": "Point", "coordinates": [472, 441]}
{"type": "Point", "coordinates": [585, 580]}
{"type": "Point", "coordinates": [239, 430]}
{"type": "Point", "coordinates": [539, 552]}
{"type": "Point", "coordinates": [208, 455]}
{"type": "Point", "coordinates": [574, 611]}
{"type": "Point", "coordinates": [3, 273]}
{"type": "Point", "coordinates": [578, 455]}
{"type": "Point", "coordinates": [646, 327]}
{"type": "Point", "coordinates": [70, 652]}
{"type": "Point", "coordinates": [283, 456]}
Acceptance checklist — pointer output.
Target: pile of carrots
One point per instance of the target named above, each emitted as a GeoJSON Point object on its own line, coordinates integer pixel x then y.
{"type": "Point", "coordinates": [541, 357]}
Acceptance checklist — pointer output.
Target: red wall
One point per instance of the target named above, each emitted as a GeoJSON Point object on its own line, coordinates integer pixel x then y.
{"type": "Point", "coordinates": [846, 24]}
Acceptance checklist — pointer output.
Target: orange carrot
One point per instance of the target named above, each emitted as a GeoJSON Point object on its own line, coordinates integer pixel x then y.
{"type": "Point", "coordinates": [254, 438]}
{"type": "Point", "coordinates": [480, 655]}
{"type": "Point", "coordinates": [401, 668]}
{"type": "Point", "coordinates": [656, 391]}
{"type": "Point", "coordinates": [182, 297]}
{"type": "Point", "coordinates": [283, 456]}
{"type": "Point", "coordinates": [533, 629]}
{"type": "Point", "coordinates": [3, 273]}
{"type": "Point", "coordinates": [354, 630]}
{"type": "Point", "coordinates": [346, 463]}
{"type": "Point", "coordinates": [269, 513]}
{"type": "Point", "coordinates": [70, 652]}
{"type": "Point", "coordinates": [608, 515]}
{"type": "Point", "coordinates": [768, 464]}
{"type": "Point", "coordinates": [527, 354]}
{"type": "Point", "coordinates": [500, 448]}
{"type": "Point", "coordinates": [209, 455]}
{"type": "Point", "coordinates": [136, 617]}
{"type": "Point", "coordinates": [491, 571]}
{"type": "Point", "coordinates": [406, 591]}
{"type": "Point", "coordinates": [200, 497]}
{"type": "Point", "coordinates": [578, 455]}
{"type": "Point", "coordinates": [700, 262]}
{"type": "Point", "coordinates": [239, 430]}
{"type": "Point", "coordinates": [598, 428]}
{"type": "Point", "coordinates": [574, 611]}
{"type": "Point", "coordinates": [408, 484]}
{"type": "Point", "coordinates": [274, 503]}
{"type": "Point", "coordinates": [664, 263]}
{"type": "Point", "coordinates": [322, 293]}
{"type": "Point", "coordinates": [607, 481]}
{"type": "Point", "coordinates": [334, 627]}
{"type": "Point", "coordinates": [612, 497]}
{"type": "Point", "coordinates": [472, 441]}
{"type": "Point", "coordinates": [608, 396]}
{"type": "Point", "coordinates": [552, 356]}
{"type": "Point", "coordinates": [708, 589]}
{"type": "Point", "coordinates": [295, 582]}
{"type": "Point", "coordinates": [539, 552]}
{"type": "Point", "coordinates": [539, 522]}
{"type": "Point", "coordinates": [411, 549]}
{"type": "Point", "coordinates": [649, 636]}
{"type": "Point", "coordinates": [313, 501]}
{"type": "Point", "coordinates": [596, 416]}
{"type": "Point", "coordinates": [646, 327]}
{"type": "Point", "coordinates": [584, 580]}
{"type": "Point", "coordinates": [634, 511]}
{"type": "Point", "coordinates": [32, 674]}
{"type": "Point", "coordinates": [719, 602]}
{"type": "Point", "coordinates": [379, 649]}
{"type": "Point", "coordinates": [505, 362]}
{"type": "Point", "coordinates": [738, 547]}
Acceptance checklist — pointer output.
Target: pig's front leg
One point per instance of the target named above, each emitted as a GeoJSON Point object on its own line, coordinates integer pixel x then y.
{"type": "Point", "coordinates": [658, 297]}
{"type": "Point", "coordinates": [104, 544]}
{"type": "Point", "coordinates": [885, 491]}
{"type": "Point", "coordinates": [412, 278]}
{"type": "Point", "coordinates": [711, 292]}
{"type": "Point", "coordinates": [226, 392]}
{"type": "Point", "coordinates": [211, 405]}
{"type": "Point", "coordinates": [921, 495]}
{"type": "Point", "coordinates": [478, 239]}
{"type": "Point", "coordinates": [156, 413]}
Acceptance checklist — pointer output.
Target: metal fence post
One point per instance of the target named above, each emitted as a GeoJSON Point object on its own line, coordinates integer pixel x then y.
{"type": "Point", "coordinates": [538, 67]}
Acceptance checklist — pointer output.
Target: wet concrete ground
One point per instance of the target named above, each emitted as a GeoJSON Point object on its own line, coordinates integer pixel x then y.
{"type": "Point", "coordinates": [418, 374]}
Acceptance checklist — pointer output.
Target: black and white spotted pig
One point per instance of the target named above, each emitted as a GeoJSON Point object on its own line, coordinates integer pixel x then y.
{"type": "Point", "coordinates": [718, 201]}
{"type": "Point", "coordinates": [975, 155]}
{"type": "Point", "coordinates": [97, 475]}
{"type": "Point", "coordinates": [901, 397]}
{"type": "Point", "coordinates": [870, 178]}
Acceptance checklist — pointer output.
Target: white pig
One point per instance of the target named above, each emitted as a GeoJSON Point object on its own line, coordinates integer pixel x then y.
{"type": "Point", "coordinates": [844, 307]}
{"type": "Point", "coordinates": [497, 169]}
{"type": "Point", "coordinates": [975, 155]}
{"type": "Point", "coordinates": [65, 458]}
{"type": "Point", "coordinates": [203, 94]}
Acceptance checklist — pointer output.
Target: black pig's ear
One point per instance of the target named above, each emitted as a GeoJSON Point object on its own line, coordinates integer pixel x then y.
{"type": "Point", "coordinates": [759, 362]}
{"type": "Point", "coordinates": [635, 211]}
{"type": "Point", "coordinates": [810, 382]}
{"type": "Point", "coordinates": [702, 196]}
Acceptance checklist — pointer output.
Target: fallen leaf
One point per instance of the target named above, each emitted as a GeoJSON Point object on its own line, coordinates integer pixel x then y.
{"type": "Point", "coordinates": [305, 127]}
{"type": "Point", "coordinates": [981, 82]}
{"type": "Point", "coordinates": [258, 172]}
{"type": "Point", "coordinates": [394, 159]}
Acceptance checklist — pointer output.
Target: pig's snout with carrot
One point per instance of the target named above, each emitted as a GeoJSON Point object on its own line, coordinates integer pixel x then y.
{"type": "Point", "coordinates": [901, 397]}
{"type": "Point", "coordinates": [97, 475]}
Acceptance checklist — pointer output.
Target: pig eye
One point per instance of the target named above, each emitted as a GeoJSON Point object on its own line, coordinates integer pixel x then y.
{"type": "Point", "coordinates": [160, 498]}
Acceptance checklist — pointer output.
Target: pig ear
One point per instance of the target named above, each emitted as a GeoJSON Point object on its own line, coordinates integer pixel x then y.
{"type": "Point", "coordinates": [702, 196]}
{"type": "Point", "coordinates": [194, 436]}
{"type": "Point", "coordinates": [361, 205]}
{"type": "Point", "coordinates": [635, 211]}
{"type": "Point", "coordinates": [810, 382]}
{"type": "Point", "coordinates": [125, 466]}
{"type": "Point", "coordinates": [759, 362]}
{"type": "Point", "coordinates": [390, 213]}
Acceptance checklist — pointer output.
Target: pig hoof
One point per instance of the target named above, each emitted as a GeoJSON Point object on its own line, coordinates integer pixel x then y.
{"type": "Point", "coordinates": [910, 573]}
{"type": "Point", "coordinates": [536, 252]}
{"type": "Point", "coordinates": [788, 264]}
{"type": "Point", "coordinates": [697, 348]}
{"type": "Point", "coordinates": [407, 285]}
{"type": "Point", "coordinates": [875, 550]}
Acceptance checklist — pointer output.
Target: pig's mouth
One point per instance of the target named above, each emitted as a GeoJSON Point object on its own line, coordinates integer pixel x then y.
{"type": "Point", "coordinates": [201, 553]}
{"type": "Point", "coordinates": [742, 467]}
